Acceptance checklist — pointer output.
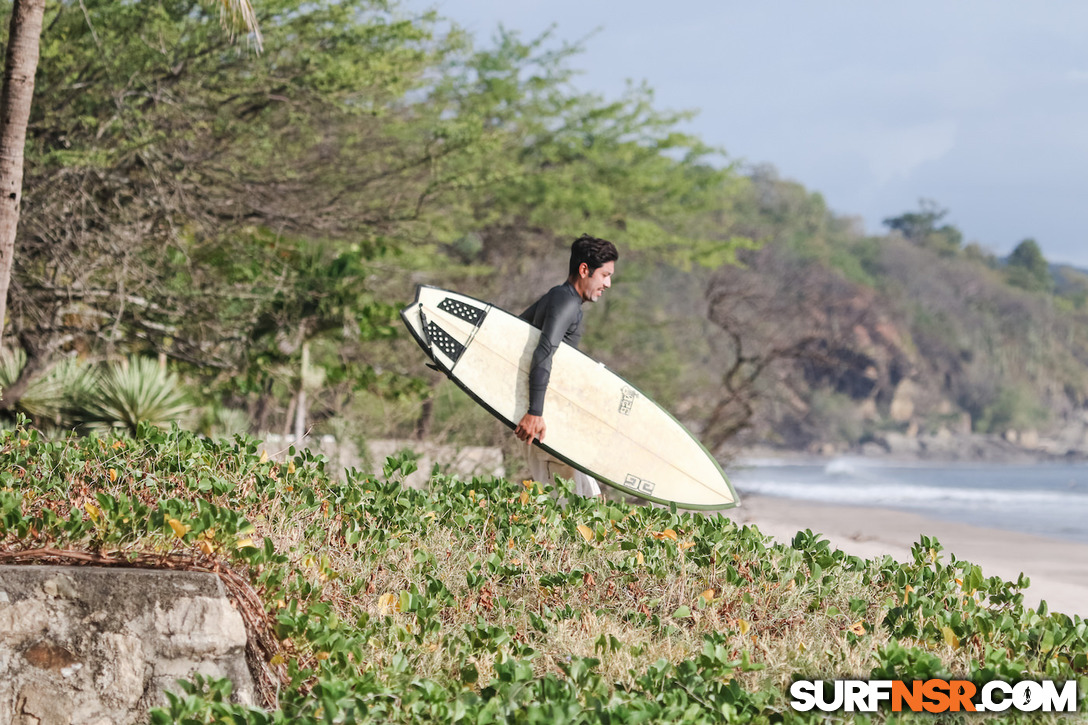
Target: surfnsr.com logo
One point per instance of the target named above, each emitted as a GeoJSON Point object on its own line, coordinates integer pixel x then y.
{"type": "Point", "coordinates": [933, 696]}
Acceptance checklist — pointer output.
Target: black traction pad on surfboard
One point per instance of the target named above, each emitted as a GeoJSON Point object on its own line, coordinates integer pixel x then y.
{"type": "Point", "coordinates": [468, 313]}
{"type": "Point", "coordinates": [444, 342]}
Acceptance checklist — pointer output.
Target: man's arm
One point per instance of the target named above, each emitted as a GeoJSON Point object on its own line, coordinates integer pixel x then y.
{"type": "Point", "coordinates": [558, 318]}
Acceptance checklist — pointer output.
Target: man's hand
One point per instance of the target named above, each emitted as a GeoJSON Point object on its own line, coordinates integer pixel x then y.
{"type": "Point", "coordinates": [530, 427]}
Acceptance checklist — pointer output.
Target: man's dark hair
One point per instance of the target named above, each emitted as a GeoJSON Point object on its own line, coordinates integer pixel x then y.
{"type": "Point", "coordinates": [593, 251]}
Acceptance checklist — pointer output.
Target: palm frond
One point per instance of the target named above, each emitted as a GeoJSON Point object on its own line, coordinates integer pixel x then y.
{"type": "Point", "coordinates": [51, 397]}
{"type": "Point", "coordinates": [239, 14]}
{"type": "Point", "coordinates": [133, 391]}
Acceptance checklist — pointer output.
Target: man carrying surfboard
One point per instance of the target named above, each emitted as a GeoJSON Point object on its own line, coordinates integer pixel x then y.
{"type": "Point", "coordinates": [558, 315]}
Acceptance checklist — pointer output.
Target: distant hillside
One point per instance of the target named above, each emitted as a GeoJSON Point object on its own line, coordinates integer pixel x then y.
{"type": "Point", "coordinates": [919, 335]}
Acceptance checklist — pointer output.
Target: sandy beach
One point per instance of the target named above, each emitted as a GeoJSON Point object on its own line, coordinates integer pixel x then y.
{"type": "Point", "coordinates": [1058, 569]}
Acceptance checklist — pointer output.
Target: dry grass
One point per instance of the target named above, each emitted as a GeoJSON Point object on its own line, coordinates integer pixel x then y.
{"type": "Point", "coordinates": [606, 609]}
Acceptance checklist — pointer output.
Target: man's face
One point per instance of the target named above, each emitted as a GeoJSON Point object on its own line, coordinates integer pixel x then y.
{"type": "Point", "coordinates": [593, 285]}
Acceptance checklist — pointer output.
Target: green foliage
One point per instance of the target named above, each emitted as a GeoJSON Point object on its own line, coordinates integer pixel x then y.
{"type": "Point", "coordinates": [1015, 407]}
{"type": "Point", "coordinates": [224, 207]}
{"type": "Point", "coordinates": [54, 397]}
{"type": "Point", "coordinates": [975, 252]}
{"type": "Point", "coordinates": [1028, 269]}
{"type": "Point", "coordinates": [954, 604]}
{"type": "Point", "coordinates": [1071, 289]}
{"type": "Point", "coordinates": [921, 228]}
{"type": "Point", "coordinates": [191, 194]}
{"type": "Point", "coordinates": [486, 601]}
{"type": "Point", "coordinates": [546, 158]}
{"type": "Point", "coordinates": [133, 392]}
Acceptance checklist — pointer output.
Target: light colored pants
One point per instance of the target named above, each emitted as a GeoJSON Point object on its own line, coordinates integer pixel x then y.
{"type": "Point", "coordinates": [542, 467]}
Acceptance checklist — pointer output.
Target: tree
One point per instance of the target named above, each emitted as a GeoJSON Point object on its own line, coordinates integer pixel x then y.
{"type": "Point", "coordinates": [1028, 269]}
{"type": "Point", "coordinates": [209, 205]}
{"type": "Point", "coordinates": [20, 64]}
{"type": "Point", "coordinates": [20, 67]}
{"type": "Point", "coordinates": [566, 163]}
{"type": "Point", "coordinates": [228, 211]}
{"type": "Point", "coordinates": [920, 227]}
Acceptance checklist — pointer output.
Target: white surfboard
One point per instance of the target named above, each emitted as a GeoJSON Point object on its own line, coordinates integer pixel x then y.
{"type": "Point", "coordinates": [597, 421]}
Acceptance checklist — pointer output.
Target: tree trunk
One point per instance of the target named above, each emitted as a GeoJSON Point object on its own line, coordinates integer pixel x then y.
{"type": "Point", "coordinates": [36, 361]}
{"type": "Point", "coordinates": [301, 410]}
{"type": "Point", "coordinates": [19, 67]}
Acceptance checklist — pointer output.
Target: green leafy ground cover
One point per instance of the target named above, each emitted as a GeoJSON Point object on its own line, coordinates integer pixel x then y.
{"type": "Point", "coordinates": [487, 601]}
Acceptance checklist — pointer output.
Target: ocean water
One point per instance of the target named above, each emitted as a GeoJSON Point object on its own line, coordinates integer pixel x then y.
{"type": "Point", "coordinates": [1045, 499]}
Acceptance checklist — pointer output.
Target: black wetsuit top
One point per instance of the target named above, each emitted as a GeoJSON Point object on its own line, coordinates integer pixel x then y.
{"type": "Point", "coordinates": [558, 315]}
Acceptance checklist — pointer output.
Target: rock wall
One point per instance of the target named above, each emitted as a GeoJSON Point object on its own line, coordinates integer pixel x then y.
{"type": "Point", "coordinates": [463, 461]}
{"type": "Point", "coordinates": [99, 645]}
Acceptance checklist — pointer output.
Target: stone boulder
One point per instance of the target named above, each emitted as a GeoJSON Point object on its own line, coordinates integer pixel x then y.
{"type": "Point", "coordinates": [902, 405]}
{"type": "Point", "coordinates": [100, 645]}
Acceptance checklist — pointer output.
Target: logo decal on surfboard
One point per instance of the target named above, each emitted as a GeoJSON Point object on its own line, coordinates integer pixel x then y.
{"type": "Point", "coordinates": [637, 484]}
{"type": "Point", "coordinates": [627, 401]}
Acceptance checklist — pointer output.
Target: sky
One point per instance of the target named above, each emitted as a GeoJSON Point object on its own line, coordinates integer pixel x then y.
{"type": "Point", "coordinates": [980, 106]}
